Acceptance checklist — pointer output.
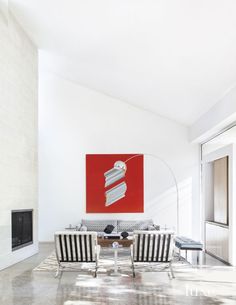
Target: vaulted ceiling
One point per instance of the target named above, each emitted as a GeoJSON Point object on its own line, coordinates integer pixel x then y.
{"type": "Point", "coordinates": [176, 58]}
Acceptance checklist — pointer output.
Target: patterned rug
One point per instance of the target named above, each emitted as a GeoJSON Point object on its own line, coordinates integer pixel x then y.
{"type": "Point", "coordinates": [106, 264]}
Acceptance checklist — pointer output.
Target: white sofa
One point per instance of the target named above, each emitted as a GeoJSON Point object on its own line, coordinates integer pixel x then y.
{"type": "Point", "coordinates": [119, 225]}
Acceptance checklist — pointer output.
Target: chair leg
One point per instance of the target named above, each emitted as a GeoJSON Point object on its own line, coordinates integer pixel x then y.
{"type": "Point", "coordinates": [132, 265]}
{"type": "Point", "coordinates": [171, 270]}
{"type": "Point", "coordinates": [133, 270]}
{"type": "Point", "coordinates": [59, 271]}
{"type": "Point", "coordinates": [96, 269]}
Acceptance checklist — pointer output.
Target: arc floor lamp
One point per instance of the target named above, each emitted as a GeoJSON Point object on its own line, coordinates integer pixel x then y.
{"type": "Point", "coordinates": [119, 171]}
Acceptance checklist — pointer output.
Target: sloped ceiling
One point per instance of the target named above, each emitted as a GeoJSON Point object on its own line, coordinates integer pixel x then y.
{"type": "Point", "coordinates": [176, 58]}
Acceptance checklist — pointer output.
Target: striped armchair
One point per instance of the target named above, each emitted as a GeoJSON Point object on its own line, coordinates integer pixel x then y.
{"type": "Point", "coordinates": [152, 247]}
{"type": "Point", "coordinates": [76, 247]}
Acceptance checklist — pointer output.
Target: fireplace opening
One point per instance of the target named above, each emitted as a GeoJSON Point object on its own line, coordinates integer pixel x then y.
{"type": "Point", "coordinates": [22, 228]}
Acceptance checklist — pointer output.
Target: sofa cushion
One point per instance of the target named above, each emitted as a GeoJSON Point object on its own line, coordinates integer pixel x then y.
{"type": "Point", "coordinates": [131, 225]}
{"type": "Point", "coordinates": [98, 225]}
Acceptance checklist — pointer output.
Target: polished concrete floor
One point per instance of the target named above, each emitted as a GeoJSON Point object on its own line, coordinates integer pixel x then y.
{"type": "Point", "coordinates": [211, 283]}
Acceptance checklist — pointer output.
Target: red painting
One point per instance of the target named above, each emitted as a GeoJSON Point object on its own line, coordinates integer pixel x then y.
{"type": "Point", "coordinates": [114, 183]}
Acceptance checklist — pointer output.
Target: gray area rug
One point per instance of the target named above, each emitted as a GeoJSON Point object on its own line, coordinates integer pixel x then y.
{"type": "Point", "coordinates": [106, 264]}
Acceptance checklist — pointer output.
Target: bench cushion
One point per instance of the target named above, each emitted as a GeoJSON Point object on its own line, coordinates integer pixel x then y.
{"type": "Point", "coordinates": [186, 243]}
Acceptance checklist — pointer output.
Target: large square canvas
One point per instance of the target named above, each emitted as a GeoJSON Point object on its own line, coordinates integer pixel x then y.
{"type": "Point", "coordinates": [114, 183]}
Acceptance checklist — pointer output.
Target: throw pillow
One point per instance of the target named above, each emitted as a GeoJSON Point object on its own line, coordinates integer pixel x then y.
{"type": "Point", "coordinates": [109, 229]}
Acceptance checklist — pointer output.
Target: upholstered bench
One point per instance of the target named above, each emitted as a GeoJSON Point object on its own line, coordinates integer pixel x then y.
{"type": "Point", "coordinates": [185, 243]}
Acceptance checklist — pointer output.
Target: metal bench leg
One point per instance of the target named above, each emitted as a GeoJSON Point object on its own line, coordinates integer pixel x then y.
{"type": "Point", "coordinates": [199, 257]}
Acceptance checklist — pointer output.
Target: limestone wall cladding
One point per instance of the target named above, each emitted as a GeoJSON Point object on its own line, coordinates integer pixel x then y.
{"type": "Point", "coordinates": [18, 134]}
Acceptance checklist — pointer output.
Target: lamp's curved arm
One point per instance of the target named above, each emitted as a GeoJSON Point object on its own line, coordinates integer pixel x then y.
{"type": "Point", "coordinates": [173, 176]}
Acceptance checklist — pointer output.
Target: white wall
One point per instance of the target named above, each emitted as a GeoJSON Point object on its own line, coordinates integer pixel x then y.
{"type": "Point", "coordinates": [18, 133]}
{"type": "Point", "coordinates": [74, 121]}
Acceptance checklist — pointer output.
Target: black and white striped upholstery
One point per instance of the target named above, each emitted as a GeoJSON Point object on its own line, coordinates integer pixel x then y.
{"type": "Point", "coordinates": [152, 247]}
{"type": "Point", "coordinates": [76, 247]}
